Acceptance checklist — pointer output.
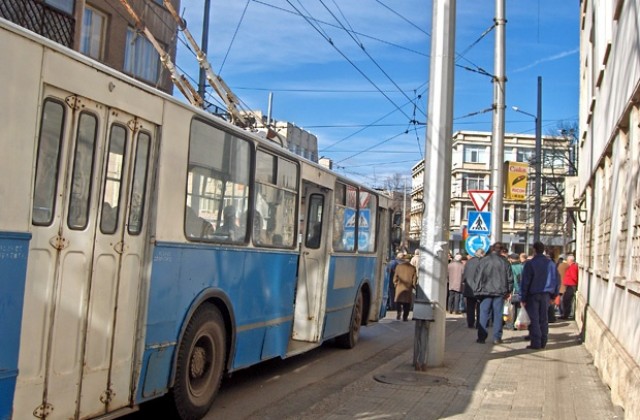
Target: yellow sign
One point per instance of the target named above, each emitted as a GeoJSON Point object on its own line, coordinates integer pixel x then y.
{"type": "Point", "coordinates": [516, 188]}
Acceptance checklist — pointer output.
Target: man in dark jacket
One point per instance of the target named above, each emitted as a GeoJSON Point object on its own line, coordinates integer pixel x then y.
{"type": "Point", "coordinates": [539, 286]}
{"type": "Point", "coordinates": [472, 307]}
{"type": "Point", "coordinates": [493, 284]}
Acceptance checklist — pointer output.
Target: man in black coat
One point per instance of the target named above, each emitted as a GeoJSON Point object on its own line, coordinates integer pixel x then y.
{"type": "Point", "coordinates": [472, 307]}
{"type": "Point", "coordinates": [493, 283]}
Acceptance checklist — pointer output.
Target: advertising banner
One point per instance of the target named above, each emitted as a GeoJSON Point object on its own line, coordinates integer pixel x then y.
{"type": "Point", "coordinates": [516, 185]}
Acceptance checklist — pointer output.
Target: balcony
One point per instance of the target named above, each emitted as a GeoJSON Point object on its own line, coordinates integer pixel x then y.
{"type": "Point", "coordinates": [40, 18]}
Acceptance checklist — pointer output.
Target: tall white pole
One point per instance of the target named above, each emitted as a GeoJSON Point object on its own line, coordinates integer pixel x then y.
{"type": "Point", "coordinates": [434, 236]}
{"type": "Point", "coordinates": [497, 149]}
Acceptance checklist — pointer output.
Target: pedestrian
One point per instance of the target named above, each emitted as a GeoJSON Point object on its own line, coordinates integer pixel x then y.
{"type": "Point", "coordinates": [405, 280]}
{"type": "Point", "coordinates": [473, 307]}
{"type": "Point", "coordinates": [570, 282]}
{"type": "Point", "coordinates": [539, 286]}
{"type": "Point", "coordinates": [562, 269]}
{"type": "Point", "coordinates": [493, 284]}
{"type": "Point", "coordinates": [514, 308]}
{"type": "Point", "coordinates": [391, 269]}
{"type": "Point", "coordinates": [454, 270]}
{"type": "Point", "coordinates": [415, 260]}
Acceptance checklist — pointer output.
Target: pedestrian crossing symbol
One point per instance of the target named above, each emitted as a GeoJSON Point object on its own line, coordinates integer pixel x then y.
{"type": "Point", "coordinates": [479, 223]}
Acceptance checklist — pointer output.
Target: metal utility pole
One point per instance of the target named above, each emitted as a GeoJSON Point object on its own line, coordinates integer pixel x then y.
{"type": "Point", "coordinates": [430, 306]}
{"type": "Point", "coordinates": [205, 46]}
{"type": "Point", "coordinates": [404, 214]}
{"type": "Point", "coordinates": [497, 149]}
{"type": "Point", "coordinates": [537, 210]}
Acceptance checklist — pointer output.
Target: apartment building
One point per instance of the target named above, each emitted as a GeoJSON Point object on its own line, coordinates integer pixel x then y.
{"type": "Point", "coordinates": [471, 170]}
{"type": "Point", "coordinates": [103, 30]}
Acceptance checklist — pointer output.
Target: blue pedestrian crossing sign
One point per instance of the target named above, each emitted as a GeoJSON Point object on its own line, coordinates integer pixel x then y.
{"type": "Point", "coordinates": [479, 223]}
{"type": "Point", "coordinates": [476, 242]}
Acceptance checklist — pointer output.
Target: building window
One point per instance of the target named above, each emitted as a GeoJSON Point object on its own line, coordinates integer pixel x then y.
{"type": "Point", "coordinates": [472, 182]}
{"type": "Point", "coordinates": [475, 154]}
{"type": "Point", "coordinates": [553, 159]}
{"type": "Point", "coordinates": [62, 5]}
{"type": "Point", "coordinates": [552, 186]}
{"type": "Point", "coordinates": [93, 26]}
{"type": "Point", "coordinates": [466, 208]}
{"type": "Point", "coordinates": [521, 214]}
{"type": "Point", "coordinates": [506, 215]}
{"type": "Point", "coordinates": [141, 59]}
{"type": "Point", "coordinates": [525, 155]}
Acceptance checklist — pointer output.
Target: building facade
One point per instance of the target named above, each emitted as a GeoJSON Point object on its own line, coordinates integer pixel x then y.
{"type": "Point", "coordinates": [471, 170]}
{"type": "Point", "coordinates": [607, 197]}
{"type": "Point", "coordinates": [103, 30]}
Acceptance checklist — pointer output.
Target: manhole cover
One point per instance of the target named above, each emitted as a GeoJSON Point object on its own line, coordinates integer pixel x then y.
{"type": "Point", "coordinates": [410, 378]}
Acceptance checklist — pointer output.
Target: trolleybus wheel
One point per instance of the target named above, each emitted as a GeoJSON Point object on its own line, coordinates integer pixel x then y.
{"type": "Point", "coordinates": [200, 363]}
{"type": "Point", "coordinates": [350, 339]}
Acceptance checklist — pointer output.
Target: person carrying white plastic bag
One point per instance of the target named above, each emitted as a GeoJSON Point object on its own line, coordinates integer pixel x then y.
{"type": "Point", "coordinates": [522, 321]}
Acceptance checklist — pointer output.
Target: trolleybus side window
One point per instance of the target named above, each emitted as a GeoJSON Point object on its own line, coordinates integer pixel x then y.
{"type": "Point", "coordinates": [367, 213]}
{"type": "Point", "coordinates": [314, 221]}
{"type": "Point", "coordinates": [113, 180]}
{"type": "Point", "coordinates": [139, 186]}
{"type": "Point", "coordinates": [275, 201]}
{"type": "Point", "coordinates": [48, 163]}
{"type": "Point", "coordinates": [345, 219]}
{"type": "Point", "coordinates": [218, 186]}
{"type": "Point", "coordinates": [78, 217]}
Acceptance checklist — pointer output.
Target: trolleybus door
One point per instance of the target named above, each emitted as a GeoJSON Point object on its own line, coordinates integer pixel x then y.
{"type": "Point", "coordinates": [311, 293]}
{"type": "Point", "coordinates": [72, 293]}
{"type": "Point", "coordinates": [117, 261]}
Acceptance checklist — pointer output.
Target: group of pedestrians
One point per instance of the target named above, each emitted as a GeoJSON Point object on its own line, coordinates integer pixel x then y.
{"type": "Point", "coordinates": [496, 283]}
{"type": "Point", "coordinates": [493, 285]}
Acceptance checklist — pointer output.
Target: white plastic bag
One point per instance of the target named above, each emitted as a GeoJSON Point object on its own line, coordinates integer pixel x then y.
{"type": "Point", "coordinates": [523, 320]}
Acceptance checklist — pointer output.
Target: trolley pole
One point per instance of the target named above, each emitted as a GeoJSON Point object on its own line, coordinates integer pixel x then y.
{"type": "Point", "coordinates": [497, 150]}
{"type": "Point", "coordinates": [430, 306]}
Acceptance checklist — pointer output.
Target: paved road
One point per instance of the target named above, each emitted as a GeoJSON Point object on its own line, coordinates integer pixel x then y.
{"type": "Point", "coordinates": [283, 388]}
{"type": "Point", "coordinates": [377, 381]}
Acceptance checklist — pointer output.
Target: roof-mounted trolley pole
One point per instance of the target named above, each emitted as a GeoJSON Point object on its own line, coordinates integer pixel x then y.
{"type": "Point", "coordinates": [178, 80]}
{"type": "Point", "coordinates": [230, 99]}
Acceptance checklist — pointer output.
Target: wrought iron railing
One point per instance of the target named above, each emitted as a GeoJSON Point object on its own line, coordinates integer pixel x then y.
{"type": "Point", "coordinates": [40, 18]}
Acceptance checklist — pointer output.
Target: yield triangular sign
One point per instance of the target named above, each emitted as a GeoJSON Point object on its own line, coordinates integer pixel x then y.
{"type": "Point", "coordinates": [480, 198]}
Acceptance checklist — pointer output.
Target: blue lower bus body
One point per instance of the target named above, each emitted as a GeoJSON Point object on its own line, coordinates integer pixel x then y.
{"type": "Point", "coordinates": [14, 251]}
{"type": "Point", "coordinates": [259, 286]}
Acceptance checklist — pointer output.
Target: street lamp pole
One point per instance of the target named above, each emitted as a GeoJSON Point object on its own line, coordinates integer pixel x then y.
{"type": "Point", "coordinates": [537, 209]}
{"type": "Point", "coordinates": [538, 162]}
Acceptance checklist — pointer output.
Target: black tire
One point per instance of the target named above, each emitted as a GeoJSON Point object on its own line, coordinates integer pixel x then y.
{"type": "Point", "coordinates": [200, 363]}
{"type": "Point", "coordinates": [350, 339]}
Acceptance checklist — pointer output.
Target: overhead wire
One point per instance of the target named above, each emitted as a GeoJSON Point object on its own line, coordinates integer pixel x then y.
{"type": "Point", "coordinates": [364, 128]}
{"type": "Point", "coordinates": [330, 41]}
{"type": "Point", "coordinates": [233, 38]}
{"type": "Point", "coordinates": [337, 27]}
{"type": "Point", "coordinates": [374, 146]}
{"type": "Point", "coordinates": [361, 45]}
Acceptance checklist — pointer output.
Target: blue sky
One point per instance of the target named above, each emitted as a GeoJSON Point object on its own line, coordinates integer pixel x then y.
{"type": "Point", "coordinates": [360, 103]}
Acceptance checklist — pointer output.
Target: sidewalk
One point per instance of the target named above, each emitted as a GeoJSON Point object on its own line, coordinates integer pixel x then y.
{"type": "Point", "coordinates": [480, 381]}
